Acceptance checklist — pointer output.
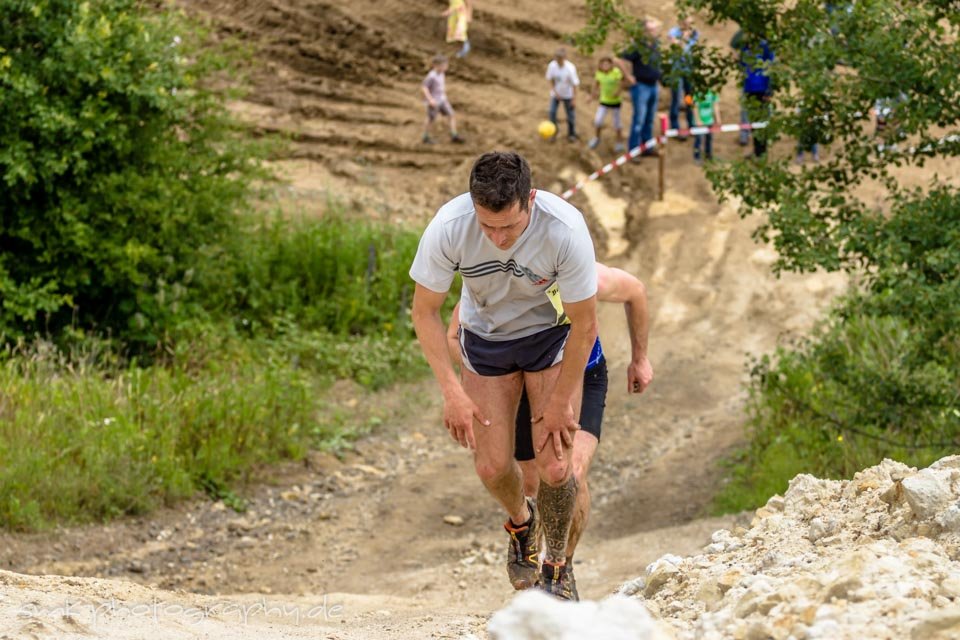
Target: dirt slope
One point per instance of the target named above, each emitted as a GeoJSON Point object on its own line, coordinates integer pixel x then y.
{"type": "Point", "coordinates": [367, 531]}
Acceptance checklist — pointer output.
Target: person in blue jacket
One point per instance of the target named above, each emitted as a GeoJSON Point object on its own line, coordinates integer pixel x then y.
{"type": "Point", "coordinates": [755, 58]}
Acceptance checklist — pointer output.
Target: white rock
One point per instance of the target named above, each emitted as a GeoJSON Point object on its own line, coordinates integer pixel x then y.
{"type": "Point", "coordinates": [821, 528]}
{"type": "Point", "coordinates": [632, 587]}
{"type": "Point", "coordinates": [659, 572]}
{"type": "Point", "coordinates": [937, 625]}
{"type": "Point", "coordinates": [806, 492]}
{"type": "Point", "coordinates": [950, 462]}
{"type": "Point", "coordinates": [533, 615]}
{"type": "Point", "coordinates": [723, 540]}
{"type": "Point", "coordinates": [927, 492]}
{"type": "Point", "coordinates": [776, 503]}
{"type": "Point", "coordinates": [950, 587]}
{"type": "Point", "coordinates": [949, 518]}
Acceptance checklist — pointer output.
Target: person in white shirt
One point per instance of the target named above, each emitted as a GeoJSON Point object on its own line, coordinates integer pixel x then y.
{"type": "Point", "coordinates": [528, 320]}
{"type": "Point", "coordinates": [563, 79]}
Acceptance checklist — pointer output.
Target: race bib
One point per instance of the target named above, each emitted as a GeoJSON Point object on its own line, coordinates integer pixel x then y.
{"type": "Point", "coordinates": [553, 294]}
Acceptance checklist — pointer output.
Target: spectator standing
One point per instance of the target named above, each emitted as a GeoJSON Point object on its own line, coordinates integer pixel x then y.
{"type": "Point", "coordinates": [608, 79]}
{"type": "Point", "coordinates": [886, 112]}
{"type": "Point", "coordinates": [640, 64]}
{"type": "Point", "coordinates": [755, 57]}
{"type": "Point", "coordinates": [708, 113]}
{"type": "Point", "coordinates": [563, 79]}
{"type": "Point", "coordinates": [686, 36]}
{"type": "Point", "coordinates": [434, 88]}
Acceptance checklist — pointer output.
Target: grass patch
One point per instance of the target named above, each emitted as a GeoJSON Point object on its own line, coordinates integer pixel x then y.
{"type": "Point", "coordinates": [88, 432]}
{"type": "Point", "coordinates": [81, 440]}
{"type": "Point", "coordinates": [337, 273]}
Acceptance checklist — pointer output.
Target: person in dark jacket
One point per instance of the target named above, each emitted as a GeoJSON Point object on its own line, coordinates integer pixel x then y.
{"type": "Point", "coordinates": [757, 86]}
{"type": "Point", "coordinates": [640, 64]}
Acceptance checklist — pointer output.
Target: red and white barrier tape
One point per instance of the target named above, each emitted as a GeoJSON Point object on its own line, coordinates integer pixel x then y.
{"type": "Point", "coordinates": [607, 168]}
{"type": "Point", "coordinates": [650, 144]}
{"type": "Point", "coordinates": [726, 128]}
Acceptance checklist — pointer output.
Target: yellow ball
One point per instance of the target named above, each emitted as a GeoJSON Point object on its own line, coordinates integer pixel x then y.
{"type": "Point", "coordinates": [547, 129]}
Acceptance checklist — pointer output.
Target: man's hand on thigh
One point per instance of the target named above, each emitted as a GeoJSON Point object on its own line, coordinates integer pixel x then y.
{"type": "Point", "coordinates": [558, 425]}
{"type": "Point", "coordinates": [554, 423]}
{"type": "Point", "coordinates": [459, 412]}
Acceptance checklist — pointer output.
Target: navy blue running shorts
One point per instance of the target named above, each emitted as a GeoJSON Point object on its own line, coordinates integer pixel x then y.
{"type": "Point", "coordinates": [537, 352]}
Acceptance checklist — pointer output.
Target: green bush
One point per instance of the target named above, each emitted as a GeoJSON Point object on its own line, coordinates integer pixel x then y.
{"type": "Point", "coordinates": [117, 165]}
{"type": "Point", "coordinates": [345, 276]}
{"type": "Point", "coordinates": [853, 394]}
{"type": "Point", "coordinates": [87, 432]}
{"type": "Point", "coordinates": [185, 340]}
{"type": "Point", "coordinates": [881, 378]}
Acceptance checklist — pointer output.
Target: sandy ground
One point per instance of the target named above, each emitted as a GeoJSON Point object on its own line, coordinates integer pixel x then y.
{"type": "Point", "coordinates": [360, 542]}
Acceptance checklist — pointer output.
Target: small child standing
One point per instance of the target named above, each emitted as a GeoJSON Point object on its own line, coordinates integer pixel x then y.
{"type": "Point", "coordinates": [563, 79]}
{"type": "Point", "coordinates": [608, 79]}
{"type": "Point", "coordinates": [435, 92]}
{"type": "Point", "coordinates": [707, 109]}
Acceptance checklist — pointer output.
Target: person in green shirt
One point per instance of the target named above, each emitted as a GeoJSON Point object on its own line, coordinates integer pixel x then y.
{"type": "Point", "coordinates": [707, 109]}
{"type": "Point", "coordinates": [608, 79]}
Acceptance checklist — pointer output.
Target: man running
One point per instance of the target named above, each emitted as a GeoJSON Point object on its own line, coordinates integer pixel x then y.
{"type": "Point", "coordinates": [512, 245]}
{"type": "Point", "coordinates": [613, 285]}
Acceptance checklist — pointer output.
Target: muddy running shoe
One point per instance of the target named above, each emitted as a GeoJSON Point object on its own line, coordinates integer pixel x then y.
{"type": "Point", "coordinates": [427, 139]}
{"type": "Point", "coordinates": [594, 143]}
{"type": "Point", "coordinates": [557, 580]}
{"type": "Point", "coordinates": [571, 581]}
{"type": "Point", "coordinates": [456, 138]}
{"type": "Point", "coordinates": [523, 552]}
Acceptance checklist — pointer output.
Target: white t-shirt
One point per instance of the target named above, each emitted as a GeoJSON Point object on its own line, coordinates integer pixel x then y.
{"type": "Point", "coordinates": [436, 84]}
{"type": "Point", "coordinates": [566, 79]}
{"type": "Point", "coordinates": [509, 293]}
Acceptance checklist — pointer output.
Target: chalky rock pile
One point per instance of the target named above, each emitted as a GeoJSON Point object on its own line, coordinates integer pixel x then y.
{"type": "Point", "coordinates": [871, 558]}
{"type": "Point", "coordinates": [533, 615]}
{"type": "Point", "coordinates": [874, 557]}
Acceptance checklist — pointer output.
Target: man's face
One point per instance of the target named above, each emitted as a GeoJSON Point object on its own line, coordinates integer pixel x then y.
{"type": "Point", "coordinates": [560, 59]}
{"type": "Point", "coordinates": [605, 65]}
{"type": "Point", "coordinates": [503, 228]}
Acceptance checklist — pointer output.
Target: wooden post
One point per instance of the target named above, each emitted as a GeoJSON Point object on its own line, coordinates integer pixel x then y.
{"type": "Point", "coordinates": [662, 155]}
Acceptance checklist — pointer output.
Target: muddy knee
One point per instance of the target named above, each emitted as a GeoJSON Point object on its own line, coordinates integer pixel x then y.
{"type": "Point", "coordinates": [555, 472]}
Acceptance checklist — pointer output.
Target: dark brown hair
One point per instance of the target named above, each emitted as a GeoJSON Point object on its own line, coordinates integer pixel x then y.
{"type": "Point", "coordinates": [498, 179]}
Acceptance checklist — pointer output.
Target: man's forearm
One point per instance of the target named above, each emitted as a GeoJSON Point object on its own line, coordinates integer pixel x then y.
{"type": "Point", "coordinates": [576, 353]}
{"type": "Point", "coordinates": [433, 342]}
{"type": "Point", "coordinates": [639, 324]}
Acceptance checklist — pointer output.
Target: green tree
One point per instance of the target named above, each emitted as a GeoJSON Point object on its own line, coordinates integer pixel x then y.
{"type": "Point", "coordinates": [834, 62]}
{"type": "Point", "coordinates": [882, 371]}
{"type": "Point", "coordinates": [117, 163]}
